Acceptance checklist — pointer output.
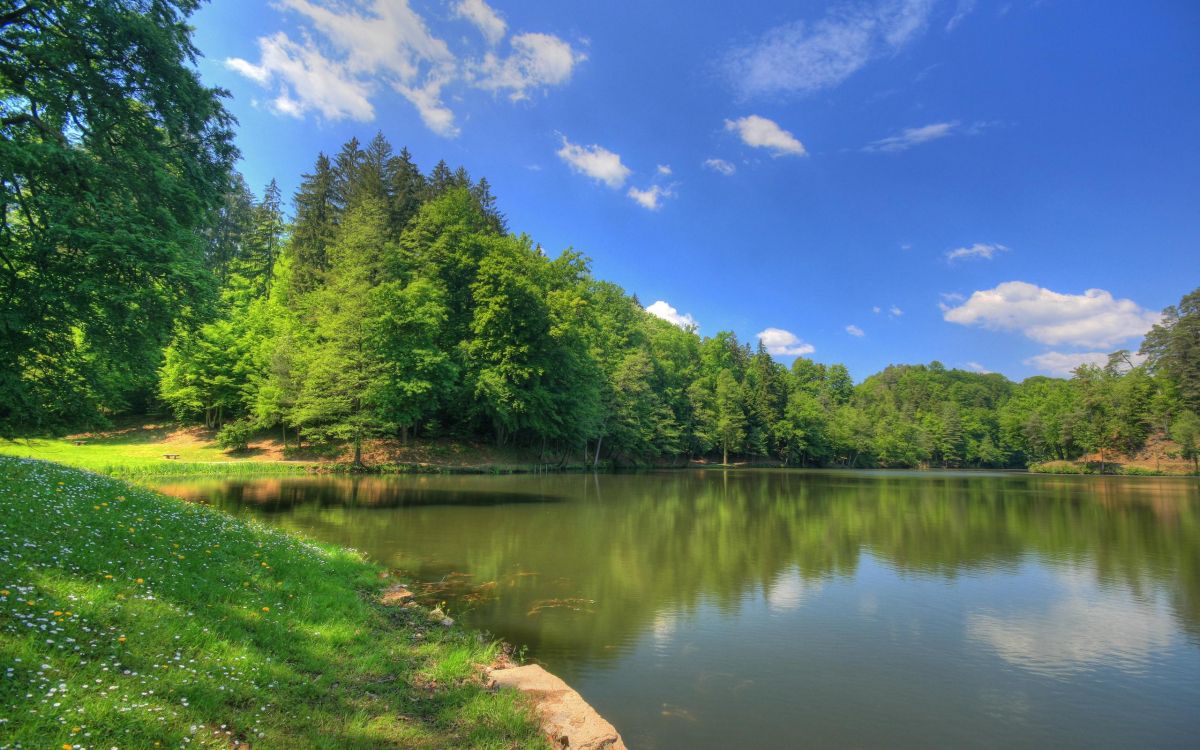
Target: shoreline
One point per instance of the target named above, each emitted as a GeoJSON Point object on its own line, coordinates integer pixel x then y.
{"type": "Point", "coordinates": [130, 576]}
{"type": "Point", "coordinates": [146, 449]}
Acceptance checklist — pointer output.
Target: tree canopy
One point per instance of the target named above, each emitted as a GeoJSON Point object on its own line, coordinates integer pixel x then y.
{"type": "Point", "coordinates": [114, 159]}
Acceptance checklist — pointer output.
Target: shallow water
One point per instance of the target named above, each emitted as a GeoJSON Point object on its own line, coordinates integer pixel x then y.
{"type": "Point", "coordinates": [762, 608]}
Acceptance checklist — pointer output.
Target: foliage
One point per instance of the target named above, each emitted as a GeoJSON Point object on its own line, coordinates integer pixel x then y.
{"type": "Point", "coordinates": [235, 435]}
{"type": "Point", "coordinates": [1186, 432]}
{"type": "Point", "coordinates": [1172, 349]}
{"type": "Point", "coordinates": [115, 163]}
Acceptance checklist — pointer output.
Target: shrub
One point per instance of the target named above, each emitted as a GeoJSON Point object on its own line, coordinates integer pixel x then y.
{"type": "Point", "coordinates": [235, 435]}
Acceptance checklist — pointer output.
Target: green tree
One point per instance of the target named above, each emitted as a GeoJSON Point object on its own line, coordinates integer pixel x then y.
{"type": "Point", "coordinates": [263, 243]}
{"type": "Point", "coordinates": [115, 155]}
{"type": "Point", "coordinates": [730, 417]}
{"type": "Point", "coordinates": [510, 327]}
{"type": "Point", "coordinates": [415, 375]}
{"type": "Point", "coordinates": [1186, 432]}
{"type": "Point", "coordinates": [342, 369]}
{"type": "Point", "coordinates": [1172, 348]}
{"type": "Point", "coordinates": [203, 373]}
{"type": "Point", "coordinates": [314, 227]}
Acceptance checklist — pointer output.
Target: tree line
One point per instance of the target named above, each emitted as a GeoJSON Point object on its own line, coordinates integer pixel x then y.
{"type": "Point", "coordinates": [137, 270]}
{"type": "Point", "coordinates": [399, 304]}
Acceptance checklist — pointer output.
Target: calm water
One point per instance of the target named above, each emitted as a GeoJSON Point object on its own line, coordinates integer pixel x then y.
{"type": "Point", "coordinates": [782, 609]}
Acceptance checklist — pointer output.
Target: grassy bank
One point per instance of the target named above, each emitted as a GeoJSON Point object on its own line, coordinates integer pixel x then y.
{"type": "Point", "coordinates": [1111, 468]}
{"type": "Point", "coordinates": [132, 620]}
{"type": "Point", "coordinates": [139, 451]}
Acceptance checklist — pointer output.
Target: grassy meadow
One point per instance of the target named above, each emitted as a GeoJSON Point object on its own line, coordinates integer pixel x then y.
{"type": "Point", "coordinates": [133, 620]}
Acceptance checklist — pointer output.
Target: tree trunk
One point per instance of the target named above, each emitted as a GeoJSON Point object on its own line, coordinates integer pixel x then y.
{"type": "Point", "coordinates": [404, 435]}
{"type": "Point", "coordinates": [725, 455]}
{"type": "Point", "coordinates": [358, 451]}
{"type": "Point", "coordinates": [599, 442]}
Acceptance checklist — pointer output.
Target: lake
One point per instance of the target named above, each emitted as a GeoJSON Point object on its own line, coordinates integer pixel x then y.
{"type": "Point", "coordinates": [773, 608]}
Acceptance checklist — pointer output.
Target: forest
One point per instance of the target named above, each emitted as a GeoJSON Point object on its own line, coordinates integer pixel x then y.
{"type": "Point", "coordinates": [391, 303]}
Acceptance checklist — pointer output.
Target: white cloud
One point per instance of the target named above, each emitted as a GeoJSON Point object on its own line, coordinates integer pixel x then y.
{"type": "Point", "coordinates": [308, 80]}
{"type": "Point", "coordinates": [664, 169]}
{"type": "Point", "coordinates": [976, 367]}
{"type": "Point", "coordinates": [895, 312]}
{"type": "Point", "coordinates": [537, 60]}
{"type": "Point", "coordinates": [961, 12]}
{"type": "Point", "coordinates": [804, 57]}
{"type": "Point", "coordinates": [759, 132]}
{"type": "Point", "coordinates": [1062, 364]}
{"type": "Point", "coordinates": [854, 330]}
{"type": "Point", "coordinates": [427, 98]}
{"type": "Point", "coordinates": [350, 53]}
{"type": "Point", "coordinates": [596, 162]}
{"type": "Point", "coordinates": [784, 343]}
{"type": "Point", "coordinates": [652, 196]}
{"type": "Point", "coordinates": [876, 309]}
{"type": "Point", "coordinates": [1092, 319]}
{"type": "Point", "coordinates": [390, 38]}
{"type": "Point", "coordinates": [661, 309]}
{"type": "Point", "coordinates": [910, 137]}
{"type": "Point", "coordinates": [720, 165]}
{"type": "Point", "coordinates": [985, 250]}
{"type": "Point", "coordinates": [485, 18]}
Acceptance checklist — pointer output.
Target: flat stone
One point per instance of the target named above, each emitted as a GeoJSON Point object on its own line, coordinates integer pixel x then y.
{"type": "Point", "coordinates": [566, 716]}
{"type": "Point", "coordinates": [395, 595]}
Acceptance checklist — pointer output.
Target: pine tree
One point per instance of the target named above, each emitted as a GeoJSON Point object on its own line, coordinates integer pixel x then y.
{"type": "Point", "coordinates": [260, 251]}
{"type": "Point", "coordinates": [342, 369]}
{"type": "Point", "coordinates": [314, 227]}
{"type": "Point", "coordinates": [407, 189]}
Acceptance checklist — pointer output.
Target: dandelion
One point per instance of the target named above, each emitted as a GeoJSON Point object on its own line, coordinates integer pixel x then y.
{"type": "Point", "coordinates": [266, 609]}
{"type": "Point", "coordinates": [141, 580]}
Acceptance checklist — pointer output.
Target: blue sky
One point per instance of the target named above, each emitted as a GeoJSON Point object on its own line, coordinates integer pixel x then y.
{"type": "Point", "coordinates": [1002, 185]}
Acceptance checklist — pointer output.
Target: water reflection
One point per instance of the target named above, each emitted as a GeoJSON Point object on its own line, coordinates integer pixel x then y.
{"type": "Point", "coordinates": [872, 609]}
{"type": "Point", "coordinates": [1086, 627]}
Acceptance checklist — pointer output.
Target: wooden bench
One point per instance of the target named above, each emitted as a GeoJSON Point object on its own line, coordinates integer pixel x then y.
{"type": "Point", "coordinates": [170, 456]}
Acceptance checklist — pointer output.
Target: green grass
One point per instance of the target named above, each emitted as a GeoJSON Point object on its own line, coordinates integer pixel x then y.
{"type": "Point", "coordinates": [138, 453]}
{"type": "Point", "coordinates": [133, 620]}
{"type": "Point", "coordinates": [1074, 467]}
